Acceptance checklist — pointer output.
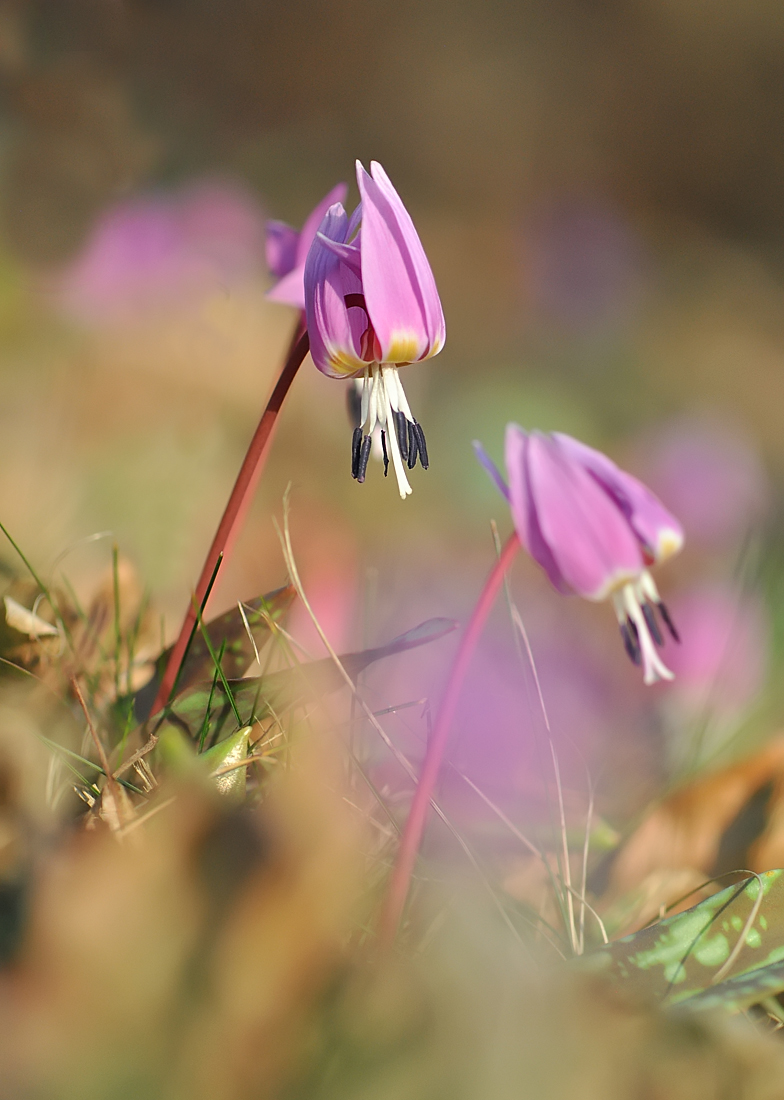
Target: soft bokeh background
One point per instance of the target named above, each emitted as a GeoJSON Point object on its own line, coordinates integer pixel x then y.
{"type": "Point", "coordinates": [599, 189]}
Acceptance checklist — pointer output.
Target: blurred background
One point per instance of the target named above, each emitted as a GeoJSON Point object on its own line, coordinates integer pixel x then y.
{"type": "Point", "coordinates": [599, 189]}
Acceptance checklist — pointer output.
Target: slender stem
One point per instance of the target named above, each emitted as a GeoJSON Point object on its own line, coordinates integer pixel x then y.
{"type": "Point", "coordinates": [246, 482]}
{"type": "Point", "coordinates": [415, 825]}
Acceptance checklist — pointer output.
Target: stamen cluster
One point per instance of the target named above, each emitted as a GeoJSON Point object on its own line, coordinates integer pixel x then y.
{"type": "Point", "coordinates": [384, 405]}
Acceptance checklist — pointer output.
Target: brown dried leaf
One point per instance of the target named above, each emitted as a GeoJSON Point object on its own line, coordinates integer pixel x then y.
{"type": "Point", "coordinates": [692, 828]}
{"type": "Point", "coordinates": [27, 622]}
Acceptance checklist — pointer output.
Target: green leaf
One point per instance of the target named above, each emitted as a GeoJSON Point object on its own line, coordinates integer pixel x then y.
{"type": "Point", "coordinates": [177, 754]}
{"type": "Point", "coordinates": [234, 749]}
{"type": "Point", "coordinates": [227, 630]}
{"type": "Point", "coordinates": [254, 696]}
{"type": "Point", "coordinates": [741, 992]}
{"type": "Point", "coordinates": [678, 960]}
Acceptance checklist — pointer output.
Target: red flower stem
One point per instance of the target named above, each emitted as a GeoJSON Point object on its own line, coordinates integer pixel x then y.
{"type": "Point", "coordinates": [234, 513]}
{"type": "Point", "coordinates": [415, 825]}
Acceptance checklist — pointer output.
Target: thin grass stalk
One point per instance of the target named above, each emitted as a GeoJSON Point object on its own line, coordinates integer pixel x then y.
{"type": "Point", "coordinates": [563, 857]}
{"type": "Point", "coordinates": [288, 554]}
{"type": "Point", "coordinates": [117, 622]}
{"type": "Point", "coordinates": [417, 817]}
{"type": "Point", "coordinates": [557, 882]}
{"type": "Point", "coordinates": [244, 486]}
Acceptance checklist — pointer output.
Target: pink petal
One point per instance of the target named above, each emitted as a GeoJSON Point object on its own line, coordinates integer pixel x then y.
{"type": "Point", "coordinates": [491, 468]}
{"type": "Point", "coordinates": [348, 253]}
{"type": "Point", "coordinates": [315, 218]}
{"type": "Point", "coordinates": [588, 538]}
{"type": "Point", "coordinates": [657, 529]}
{"type": "Point", "coordinates": [282, 241]}
{"type": "Point", "coordinates": [400, 290]}
{"type": "Point", "coordinates": [335, 331]}
{"type": "Point", "coordinates": [281, 248]}
{"type": "Point", "coordinates": [290, 290]}
{"type": "Point", "coordinates": [522, 506]}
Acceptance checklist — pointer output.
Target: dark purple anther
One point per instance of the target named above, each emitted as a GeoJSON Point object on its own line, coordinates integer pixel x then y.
{"type": "Point", "coordinates": [364, 456]}
{"type": "Point", "coordinates": [356, 448]}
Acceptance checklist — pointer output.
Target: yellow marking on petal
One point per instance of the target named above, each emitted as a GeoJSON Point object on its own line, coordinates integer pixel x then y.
{"type": "Point", "coordinates": [614, 583]}
{"type": "Point", "coordinates": [403, 347]}
{"type": "Point", "coordinates": [343, 364]}
{"type": "Point", "coordinates": [668, 543]}
{"type": "Point", "coordinates": [435, 348]}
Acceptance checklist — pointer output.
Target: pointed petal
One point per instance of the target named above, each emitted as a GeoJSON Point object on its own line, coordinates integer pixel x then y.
{"type": "Point", "coordinates": [399, 287]}
{"type": "Point", "coordinates": [348, 253]}
{"type": "Point", "coordinates": [659, 532]}
{"type": "Point", "coordinates": [589, 539]}
{"type": "Point", "coordinates": [315, 218]}
{"type": "Point", "coordinates": [334, 330]}
{"type": "Point", "coordinates": [491, 468]}
{"type": "Point", "coordinates": [281, 248]}
{"type": "Point", "coordinates": [354, 222]}
{"type": "Point", "coordinates": [523, 507]}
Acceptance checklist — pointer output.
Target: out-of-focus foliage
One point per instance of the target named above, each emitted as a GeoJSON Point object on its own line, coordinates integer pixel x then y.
{"type": "Point", "coordinates": [736, 933]}
{"type": "Point", "coordinates": [598, 189]}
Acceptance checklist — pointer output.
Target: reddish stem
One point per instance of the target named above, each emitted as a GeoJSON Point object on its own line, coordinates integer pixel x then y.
{"type": "Point", "coordinates": [415, 825]}
{"type": "Point", "coordinates": [235, 510]}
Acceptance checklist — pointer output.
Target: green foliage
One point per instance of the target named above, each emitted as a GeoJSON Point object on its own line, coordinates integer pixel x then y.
{"type": "Point", "coordinates": [727, 951]}
{"type": "Point", "coordinates": [222, 764]}
{"type": "Point", "coordinates": [205, 710]}
{"type": "Point", "coordinates": [236, 632]}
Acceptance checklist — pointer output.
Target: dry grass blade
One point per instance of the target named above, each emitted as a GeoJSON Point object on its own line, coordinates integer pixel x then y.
{"type": "Point", "coordinates": [725, 969]}
{"type": "Point", "coordinates": [288, 554]}
{"type": "Point", "coordinates": [113, 786]}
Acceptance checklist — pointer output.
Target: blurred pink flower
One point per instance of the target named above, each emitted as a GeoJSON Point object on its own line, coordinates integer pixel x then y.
{"type": "Point", "coordinates": [327, 562]}
{"type": "Point", "coordinates": [710, 475]}
{"type": "Point", "coordinates": [286, 251]}
{"type": "Point", "coordinates": [583, 264]}
{"type": "Point", "coordinates": [722, 660]}
{"type": "Point", "coordinates": [594, 529]}
{"type": "Point", "coordinates": [163, 249]}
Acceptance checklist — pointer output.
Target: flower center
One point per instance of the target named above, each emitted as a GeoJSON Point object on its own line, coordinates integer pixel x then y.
{"type": "Point", "coordinates": [636, 604]}
{"type": "Point", "coordinates": [384, 406]}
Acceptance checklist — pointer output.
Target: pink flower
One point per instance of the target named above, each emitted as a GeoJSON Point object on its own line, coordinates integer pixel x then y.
{"type": "Point", "coordinates": [287, 250]}
{"type": "Point", "coordinates": [723, 658]}
{"type": "Point", "coordinates": [594, 529]}
{"type": "Point", "coordinates": [162, 249]}
{"type": "Point", "coordinates": [712, 475]}
{"type": "Point", "coordinates": [372, 306]}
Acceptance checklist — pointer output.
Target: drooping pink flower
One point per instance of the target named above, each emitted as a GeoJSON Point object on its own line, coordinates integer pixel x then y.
{"type": "Point", "coordinates": [287, 250]}
{"type": "Point", "coordinates": [372, 306]}
{"type": "Point", "coordinates": [594, 529]}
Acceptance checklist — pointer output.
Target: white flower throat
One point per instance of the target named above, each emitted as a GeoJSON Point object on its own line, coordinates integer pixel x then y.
{"type": "Point", "coordinates": [635, 605]}
{"type": "Point", "coordinates": [383, 404]}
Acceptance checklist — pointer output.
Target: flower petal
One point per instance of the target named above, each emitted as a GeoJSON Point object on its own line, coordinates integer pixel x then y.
{"type": "Point", "coordinates": [287, 251]}
{"type": "Point", "coordinates": [281, 248]}
{"type": "Point", "coordinates": [522, 505]}
{"type": "Point", "coordinates": [335, 330]}
{"type": "Point", "coordinates": [399, 287]}
{"type": "Point", "coordinates": [589, 544]}
{"type": "Point", "coordinates": [289, 291]}
{"type": "Point", "coordinates": [315, 218]}
{"type": "Point", "coordinates": [348, 253]}
{"type": "Point", "coordinates": [659, 532]}
{"type": "Point", "coordinates": [491, 468]}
